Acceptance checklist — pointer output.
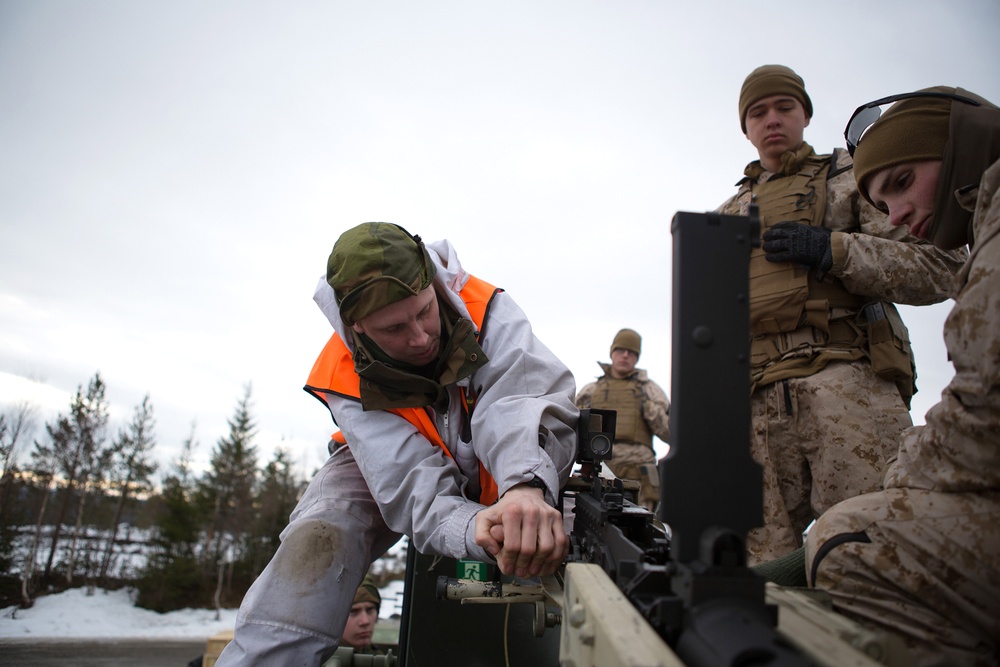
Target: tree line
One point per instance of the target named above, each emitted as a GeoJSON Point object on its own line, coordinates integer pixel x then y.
{"type": "Point", "coordinates": [71, 510]}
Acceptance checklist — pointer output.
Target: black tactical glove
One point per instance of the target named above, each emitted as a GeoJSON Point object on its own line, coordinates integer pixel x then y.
{"type": "Point", "coordinates": [795, 242]}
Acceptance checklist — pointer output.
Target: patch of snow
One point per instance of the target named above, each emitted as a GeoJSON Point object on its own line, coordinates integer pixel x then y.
{"type": "Point", "coordinates": [73, 614]}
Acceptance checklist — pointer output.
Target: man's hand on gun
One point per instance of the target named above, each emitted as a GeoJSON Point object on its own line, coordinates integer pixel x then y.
{"type": "Point", "coordinates": [523, 532]}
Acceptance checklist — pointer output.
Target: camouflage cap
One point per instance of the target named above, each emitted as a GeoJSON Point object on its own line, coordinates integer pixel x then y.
{"type": "Point", "coordinates": [368, 592]}
{"type": "Point", "coordinates": [769, 80]}
{"type": "Point", "coordinates": [376, 264]}
{"type": "Point", "coordinates": [627, 339]}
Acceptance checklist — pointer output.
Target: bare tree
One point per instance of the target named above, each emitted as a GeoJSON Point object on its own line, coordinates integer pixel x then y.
{"type": "Point", "coordinates": [43, 469]}
{"type": "Point", "coordinates": [94, 469]}
{"type": "Point", "coordinates": [132, 465]}
{"type": "Point", "coordinates": [76, 439]}
{"type": "Point", "coordinates": [17, 423]}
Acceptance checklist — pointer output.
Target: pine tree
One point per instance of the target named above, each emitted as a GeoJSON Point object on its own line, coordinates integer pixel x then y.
{"type": "Point", "coordinates": [179, 525]}
{"type": "Point", "coordinates": [172, 578]}
{"type": "Point", "coordinates": [227, 489]}
{"type": "Point", "coordinates": [279, 492]}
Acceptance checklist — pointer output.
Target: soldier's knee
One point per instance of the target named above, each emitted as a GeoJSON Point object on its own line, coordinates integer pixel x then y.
{"type": "Point", "coordinates": [826, 554]}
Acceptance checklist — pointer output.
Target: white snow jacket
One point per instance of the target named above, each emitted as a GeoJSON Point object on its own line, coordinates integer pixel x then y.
{"type": "Point", "coordinates": [523, 426]}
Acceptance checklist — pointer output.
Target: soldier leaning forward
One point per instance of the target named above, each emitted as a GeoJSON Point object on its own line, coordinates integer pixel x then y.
{"type": "Point", "coordinates": [922, 556]}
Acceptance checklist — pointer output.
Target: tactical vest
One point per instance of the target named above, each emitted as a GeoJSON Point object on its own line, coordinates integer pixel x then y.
{"type": "Point", "coordinates": [333, 373]}
{"type": "Point", "coordinates": [625, 396]}
{"type": "Point", "coordinates": [790, 308]}
{"type": "Point", "coordinates": [799, 323]}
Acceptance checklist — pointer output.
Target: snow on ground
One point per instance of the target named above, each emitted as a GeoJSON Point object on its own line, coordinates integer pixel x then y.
{"type": "Point", "coordinates": [73, 614]}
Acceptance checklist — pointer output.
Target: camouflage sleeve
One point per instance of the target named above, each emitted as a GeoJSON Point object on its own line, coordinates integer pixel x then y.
{"type": "Point", "coordinates": [656, 410]}
{"type": "Point", "coordinates": [586, 394]}
{"type": "Point", "coordinates": [873, 258]}
{"type": "Point", "coordinates": [956, 449]}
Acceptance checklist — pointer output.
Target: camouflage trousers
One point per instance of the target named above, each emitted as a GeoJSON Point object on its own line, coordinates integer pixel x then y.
{"type": "Point", "coordinates": [628, 461]}
{"type": "Point", "coordinates": [820, 439]}
{"type": "Point", "coordinates": [923, 564]}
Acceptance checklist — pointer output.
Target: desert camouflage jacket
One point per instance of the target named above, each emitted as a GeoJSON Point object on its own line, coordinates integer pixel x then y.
{"type": "Point", "coordinates": [958, 448]}
{"type": "Point", "coordinates": [870, 256]}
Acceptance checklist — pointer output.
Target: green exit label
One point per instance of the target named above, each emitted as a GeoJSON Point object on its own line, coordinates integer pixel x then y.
{"type": "Point", "coordinates": [472, 569]}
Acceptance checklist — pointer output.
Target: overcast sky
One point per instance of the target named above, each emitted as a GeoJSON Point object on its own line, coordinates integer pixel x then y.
{"type": "Point", "coordinates": [174, 174]}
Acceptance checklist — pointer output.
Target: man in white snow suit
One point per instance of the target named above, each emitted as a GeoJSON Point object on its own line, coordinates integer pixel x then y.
{"type": "Point", "coordinates": [460, 430]}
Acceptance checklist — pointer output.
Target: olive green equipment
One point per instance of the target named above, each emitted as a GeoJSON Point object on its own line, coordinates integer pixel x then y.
{"type": "Point", "coordinates": [345, 656]}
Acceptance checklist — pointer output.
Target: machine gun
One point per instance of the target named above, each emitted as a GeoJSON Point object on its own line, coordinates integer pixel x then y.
{"type": "Point", "coordinates": [683, 595]}
{"type": "Point", "coordinates": [639, 589]}
{"type": "Point", "coordinates": [690, 582]}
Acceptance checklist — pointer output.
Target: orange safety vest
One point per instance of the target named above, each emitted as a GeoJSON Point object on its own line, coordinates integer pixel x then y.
{"type": "Point", "coordinates": [333, 373]}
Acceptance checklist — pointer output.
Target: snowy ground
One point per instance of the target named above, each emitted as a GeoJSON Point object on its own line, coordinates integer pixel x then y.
{"type": "Point", "coordinates": [75, 615]}
{"type": "Point", "coordinates": [111, 614]}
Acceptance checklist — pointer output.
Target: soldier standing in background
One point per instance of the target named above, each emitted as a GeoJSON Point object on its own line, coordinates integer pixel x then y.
{"type": "Point", "coordinates": [922, 556]}
{"type": "Point", "coordinates": [831, 368]}
{"type": "Point", "coordinates": [643, 411]}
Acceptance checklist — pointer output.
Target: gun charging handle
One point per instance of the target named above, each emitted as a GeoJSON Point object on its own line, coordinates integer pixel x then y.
{"type": "Point", "coordinates": [470, 591]}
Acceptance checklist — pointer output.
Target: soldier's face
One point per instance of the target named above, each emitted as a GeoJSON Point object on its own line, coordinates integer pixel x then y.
{"type": "Point", "coordinates": [907, 192]}
{"type": "Point", "coordinates": [775, 124]}
{"type": "Point", "coordinates": [360, 625]}
{"type": "Point", "coordinates": [622, 362]}
{"type": "Point", "coordinates": [409, 330]}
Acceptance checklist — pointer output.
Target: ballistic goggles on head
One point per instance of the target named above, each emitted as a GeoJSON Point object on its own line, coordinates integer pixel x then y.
{"type": "Point", "coordinates": [866, 114]}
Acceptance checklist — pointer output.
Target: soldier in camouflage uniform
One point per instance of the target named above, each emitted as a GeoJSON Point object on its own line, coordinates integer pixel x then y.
{"type": "Point", "coordinates": [643, 411]}
{"type": "Point", "coordinates": [832, 372]}
{"type": "Point", "coordinates": [459, 431]}
{"type": "Point", "coordinates": [922, 557]}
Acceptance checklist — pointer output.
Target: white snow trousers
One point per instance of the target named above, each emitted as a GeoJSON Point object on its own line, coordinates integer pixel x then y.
{"type": "Point", "coordinates": [295, 612]}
